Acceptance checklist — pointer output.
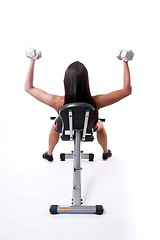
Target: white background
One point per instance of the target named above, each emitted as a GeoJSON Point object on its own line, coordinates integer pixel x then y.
{"type": "Point", "coordinates": [128, 183]}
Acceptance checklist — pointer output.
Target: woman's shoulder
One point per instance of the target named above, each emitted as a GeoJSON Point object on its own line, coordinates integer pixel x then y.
{"type": "Point", "coordinates": [58, 102]}
{"type": "Point", "coordinates": [97, 101]}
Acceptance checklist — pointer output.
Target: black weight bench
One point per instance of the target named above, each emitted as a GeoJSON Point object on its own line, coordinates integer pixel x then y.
{"type": "Point", "coordinates": [77, 126]}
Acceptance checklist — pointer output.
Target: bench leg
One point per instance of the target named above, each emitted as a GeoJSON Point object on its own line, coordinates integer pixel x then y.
{"type": "Point", "coordinates": [76, 207]}
{"type": "Point", "coordinates": [97, 209]}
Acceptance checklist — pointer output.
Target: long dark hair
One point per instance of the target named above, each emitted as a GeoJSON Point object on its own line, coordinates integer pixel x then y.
{"type": "Point", "coordinates": [76, 85]}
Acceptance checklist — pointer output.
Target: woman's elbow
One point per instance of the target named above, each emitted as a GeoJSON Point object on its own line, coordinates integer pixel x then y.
{"type": "Point", "coordinates": [128, 91]}
{"type": "Point", "coordinates": [26, 89]}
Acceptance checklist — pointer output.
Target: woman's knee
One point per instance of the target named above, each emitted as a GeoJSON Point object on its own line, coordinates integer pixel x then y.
{"type": "Point", "coordinates": [100, 125]}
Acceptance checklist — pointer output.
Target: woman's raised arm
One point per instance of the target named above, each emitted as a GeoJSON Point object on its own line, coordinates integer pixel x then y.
{"type": "Point", "coordinates": [51, 100]}
{"type": "Point", "coordinates": [104, 100]}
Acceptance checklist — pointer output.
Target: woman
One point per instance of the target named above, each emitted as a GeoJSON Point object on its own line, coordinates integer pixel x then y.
{"type": "Point", "coordinates": [77, 89]}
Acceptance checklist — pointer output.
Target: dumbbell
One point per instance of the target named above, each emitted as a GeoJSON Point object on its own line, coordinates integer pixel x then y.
{"type": "Point", "coordinates": [33, 53]}
{"type": "Point", "coordinates": [126, 55]}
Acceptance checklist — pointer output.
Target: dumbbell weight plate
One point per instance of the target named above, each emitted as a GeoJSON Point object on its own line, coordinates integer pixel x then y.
{"type": "Point", "coordinates": [119, 54]}
{"type": "Point", "coordinates": [31, 53]}
{"type": "Point", "coordinates": [38, 53]}
{"type": "Point", "coordinates": [127, 55]}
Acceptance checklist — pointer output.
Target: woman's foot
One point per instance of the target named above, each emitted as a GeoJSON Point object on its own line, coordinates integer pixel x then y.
{"type": "Point", "coordinates": [48, 157]}
{"type": "Point", "coordinates": [106, 155]}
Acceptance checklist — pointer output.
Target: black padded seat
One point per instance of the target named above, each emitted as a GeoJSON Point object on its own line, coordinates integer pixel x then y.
{"type": "Point", "coordinates": [78, 111]}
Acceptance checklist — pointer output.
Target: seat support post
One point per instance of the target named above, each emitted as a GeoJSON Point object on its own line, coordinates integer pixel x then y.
{"type": "Point", "coordinates": [77, 170]}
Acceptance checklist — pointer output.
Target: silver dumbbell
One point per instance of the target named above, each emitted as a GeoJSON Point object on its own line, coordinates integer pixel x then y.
{"type": "Point", "coordinates": [126, 55]}
{"type": "Point", "coordinates": [33, 53]}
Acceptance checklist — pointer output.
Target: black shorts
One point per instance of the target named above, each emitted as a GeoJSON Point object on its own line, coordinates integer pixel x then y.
{"type": "Point", "coordinates": [58, 124]}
